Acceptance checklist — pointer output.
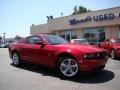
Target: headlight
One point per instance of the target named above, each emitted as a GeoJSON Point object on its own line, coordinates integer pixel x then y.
{"type": "Point", "coordinates": [85, 56]}
{"type": "Point", "coordinates": [90, 55]}
{"type": "Point", "coordinates": [95, 56]}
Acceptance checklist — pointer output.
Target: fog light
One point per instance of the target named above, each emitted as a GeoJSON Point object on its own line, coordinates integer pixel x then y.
{"type": "Point", "coordinates": [85, 56]}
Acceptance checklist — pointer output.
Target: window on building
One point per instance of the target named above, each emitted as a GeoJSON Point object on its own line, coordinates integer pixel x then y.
{"type": "Point", "coordinates": [119, 32]}
{"type": "Point", "coordinates": [74, 35]}
{"type": "Point", "coordinates": [94, 36]}
{"type": "Point", "coordinates": [101, 35]}
{"type": "Point", "coordinates": [68, 34]}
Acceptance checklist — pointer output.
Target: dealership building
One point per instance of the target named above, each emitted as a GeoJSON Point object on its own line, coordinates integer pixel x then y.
{"type": "Point", "coordinates": [95, 26]}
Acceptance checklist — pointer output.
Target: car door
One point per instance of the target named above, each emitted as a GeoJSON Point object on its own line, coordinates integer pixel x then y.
{"type": "Point", "coordinates": [48, 55]}
{"type": "Point", "coordinates": [33, 51]}
{"type": "Point", "coordinates": [39, 54]}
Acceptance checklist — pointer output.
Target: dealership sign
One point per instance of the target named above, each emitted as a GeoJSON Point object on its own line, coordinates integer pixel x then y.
{"type": "Point", "coordinates": [103, 17]}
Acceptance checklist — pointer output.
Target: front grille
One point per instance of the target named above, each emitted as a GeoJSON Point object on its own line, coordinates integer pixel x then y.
{"type": "Point", "coordinates": [96, 56]}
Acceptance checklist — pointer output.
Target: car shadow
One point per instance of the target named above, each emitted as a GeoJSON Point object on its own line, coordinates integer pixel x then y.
{"type": "Point", "coordinates": [117, 59]}
{"type": "Point", "coordinates": [94, 78]}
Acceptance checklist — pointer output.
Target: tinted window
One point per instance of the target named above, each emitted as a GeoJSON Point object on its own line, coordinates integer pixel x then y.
{"type": "Point", "coordinates": [55, 40]}
{"type": "Point", "coordinates": [113, 41]}
{"type": "Point", "coordinates": [32, 40]}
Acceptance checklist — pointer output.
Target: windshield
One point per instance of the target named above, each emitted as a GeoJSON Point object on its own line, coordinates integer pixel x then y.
{"type": "Point", "coordinates": [55, 40]}
{"type": "Point", "coordinates": [115, 41]}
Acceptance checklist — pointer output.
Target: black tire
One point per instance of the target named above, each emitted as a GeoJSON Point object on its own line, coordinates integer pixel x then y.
{"type": "Point", "coordinates": [16, 59]}
{"type": "Point", "coordinates": [101, 68]}
{"type": "Point", "coordinates": [113, 54]}
{"type": "Point", "coordinates": [67, 67]}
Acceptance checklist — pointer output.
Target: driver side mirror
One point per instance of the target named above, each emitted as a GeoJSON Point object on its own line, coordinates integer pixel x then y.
{"type": "Point", "coordinates": [40, 43]}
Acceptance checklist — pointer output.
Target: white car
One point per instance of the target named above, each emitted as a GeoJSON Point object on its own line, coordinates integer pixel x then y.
{"type": "Point", "coordinates": [79, 41]}
{"type": "Point", "coordinates": [4, 45]}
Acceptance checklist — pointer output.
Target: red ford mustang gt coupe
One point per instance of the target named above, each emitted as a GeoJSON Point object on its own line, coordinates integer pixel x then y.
{"type": "Point", "coordinates": [55, 52]}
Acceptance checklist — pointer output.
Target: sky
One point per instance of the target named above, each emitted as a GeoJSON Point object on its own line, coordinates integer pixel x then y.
{"type": "Point", "coordinates": [16, 16]}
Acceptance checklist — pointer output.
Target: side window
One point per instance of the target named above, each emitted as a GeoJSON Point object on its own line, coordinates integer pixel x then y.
{"type": "Point", "coordinates": [32, 40]}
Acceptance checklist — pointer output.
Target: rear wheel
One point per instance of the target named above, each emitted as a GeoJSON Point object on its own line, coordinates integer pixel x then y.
{"type": "Point", "coordinates": [67, 67]}
{"type": "Point", "coordinates": [16, 59]}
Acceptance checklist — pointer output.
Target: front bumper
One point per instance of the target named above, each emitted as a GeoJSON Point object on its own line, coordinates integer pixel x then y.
{"type": "Point", "coordinates": [117, 53]}
{"type": "Point", "coordinates": [91, 65]}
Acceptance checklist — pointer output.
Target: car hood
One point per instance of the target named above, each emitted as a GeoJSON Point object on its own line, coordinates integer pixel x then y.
{"type": "Point", "coordinates": [83, 48]}
{"type": "Point", "coordinates": [116, 45]}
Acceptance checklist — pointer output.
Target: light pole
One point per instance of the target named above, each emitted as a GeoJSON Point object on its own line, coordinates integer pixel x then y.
{"type": "Point", "coordinates": [4, 37]}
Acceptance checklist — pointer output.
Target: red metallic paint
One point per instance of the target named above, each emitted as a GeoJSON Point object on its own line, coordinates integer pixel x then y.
{"type": "Point", "coordinates": [111, 46]}
{"type": "Point", "coordinates": [49, 54]}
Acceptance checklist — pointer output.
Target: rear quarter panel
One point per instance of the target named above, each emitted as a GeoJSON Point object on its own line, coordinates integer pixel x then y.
{"type": "Point", "coordinates": [16, 47]}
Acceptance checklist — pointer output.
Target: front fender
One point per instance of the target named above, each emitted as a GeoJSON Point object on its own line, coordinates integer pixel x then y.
{"type": "Point", "coordinates": [76, 54]}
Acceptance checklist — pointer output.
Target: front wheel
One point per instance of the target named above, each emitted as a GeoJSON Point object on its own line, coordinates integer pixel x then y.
{"type": "Point", "coordinates": [67, 67]}
{"type": "Point", "coordinates": [113, 56]}
{"type": "Point", "coordinates": [16, 59]}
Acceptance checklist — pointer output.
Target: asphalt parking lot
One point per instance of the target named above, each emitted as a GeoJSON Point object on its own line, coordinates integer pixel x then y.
{"type": "Point", "coordinates": [32, 77]}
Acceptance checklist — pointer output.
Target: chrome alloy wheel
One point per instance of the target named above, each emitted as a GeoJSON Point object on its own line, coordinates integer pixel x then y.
{"type": "Point", "coordinates": [69, 67]}
{"type": "Point", "coordinates": [112, 54]}
{"type": "Point", "coordinates": [15, 59]}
